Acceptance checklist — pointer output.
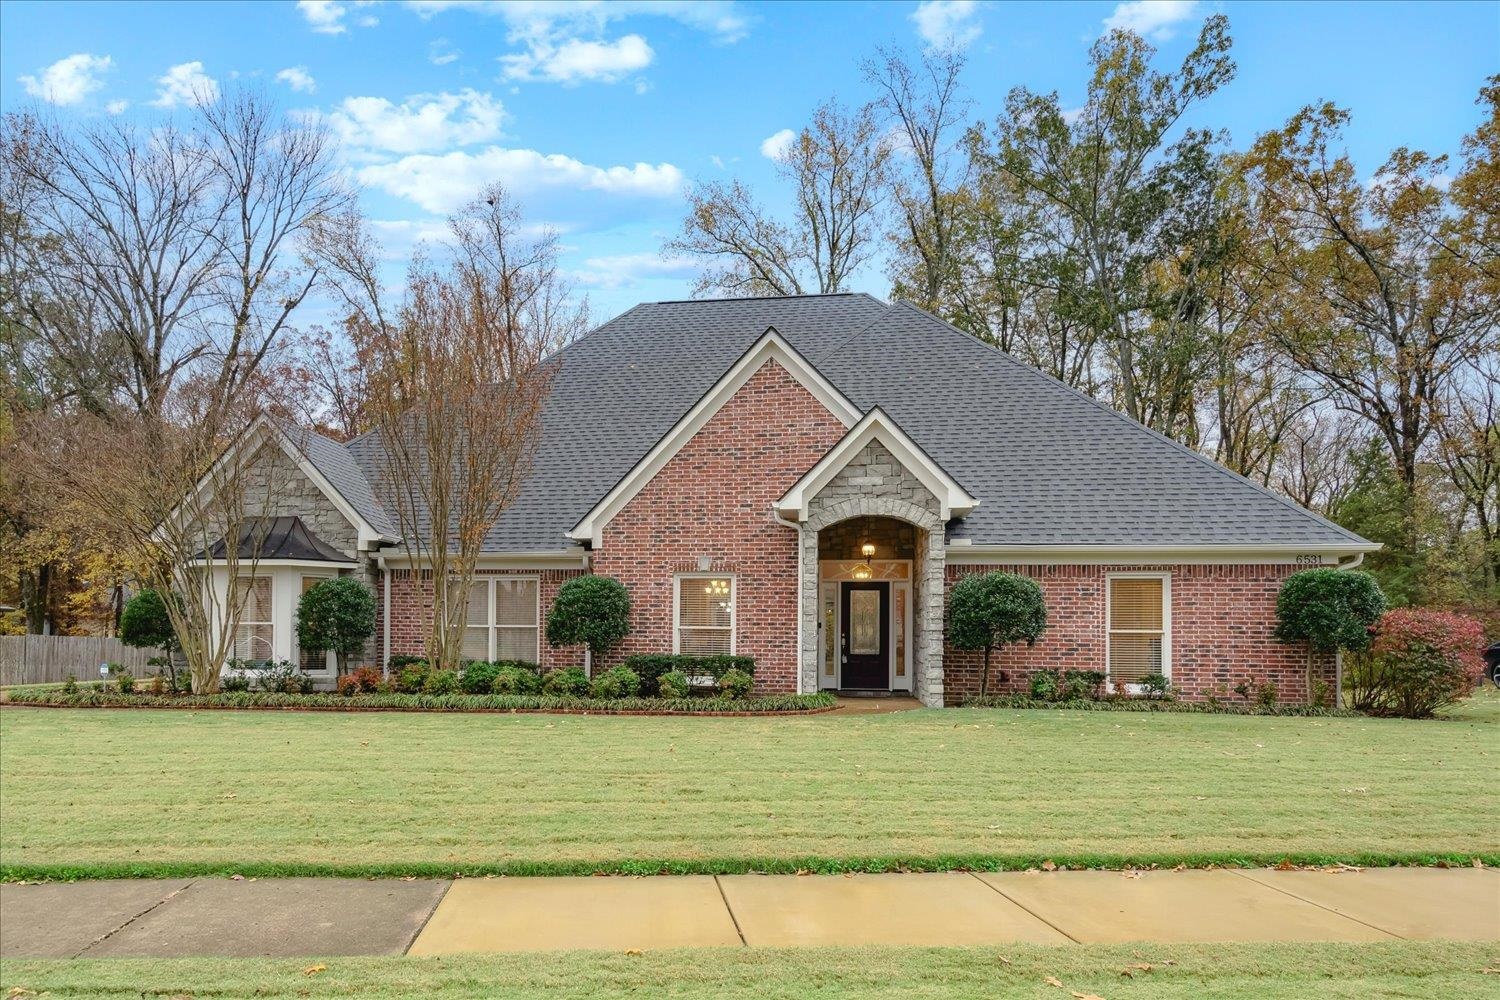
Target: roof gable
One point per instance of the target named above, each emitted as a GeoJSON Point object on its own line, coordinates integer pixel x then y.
{"type": "Point", "coordinates": [770, 347]}
{"type": "Point", "coordinates": [952, 498]}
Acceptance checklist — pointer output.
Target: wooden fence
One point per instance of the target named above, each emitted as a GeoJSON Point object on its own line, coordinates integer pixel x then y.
{"type": "Point", "coordinates": [42, 659]}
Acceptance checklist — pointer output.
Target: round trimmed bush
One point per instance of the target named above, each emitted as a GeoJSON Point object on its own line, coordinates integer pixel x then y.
{"type": "Point", "coordinates": [736, 683]}
{"type": "Point", "coordinates": [619, 682]}
{"type": "Point", "coordinates": [1329, 609]}
{"type": "Point", "coordinates": [479, 677]}
{"type": "Point", "coordinates": [512, 678]}
{"type": "Point", "coordinates": [569, 682]}
{"type": "Point", "coordinates": [337, 614]}
{"type": "Point", "coordinates": [672, 684]}
{"type": "Point", "coordinates": [592, 611]}
{"type": "Point", "coordinates": [992, 609]}
{"type": "Point", "coordinates": [441, 682]}
{"type": "Point", "coordinates": [146, 622]}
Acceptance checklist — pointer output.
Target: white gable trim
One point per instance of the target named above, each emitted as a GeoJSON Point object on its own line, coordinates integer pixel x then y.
{"type": "Point", "coordinates": [264, 430]}
{"type": "Point", "coordinates": [770, 347]}
{"type": "Point", "coordinates": [877, 425]}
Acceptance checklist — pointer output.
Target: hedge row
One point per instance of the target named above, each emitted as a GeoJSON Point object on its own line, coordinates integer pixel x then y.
{"type": "Point", "coordinates": [392, 702]}
{"type": "Point", "coordinates": [1155, 705]}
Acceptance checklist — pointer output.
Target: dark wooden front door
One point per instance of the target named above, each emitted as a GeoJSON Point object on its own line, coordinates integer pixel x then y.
{"type": "Point", "coordinates": [866, 641]}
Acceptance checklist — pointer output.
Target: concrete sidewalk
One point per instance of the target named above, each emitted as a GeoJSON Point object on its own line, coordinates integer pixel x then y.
{"type": "Point", "coordinates": [327, 917]}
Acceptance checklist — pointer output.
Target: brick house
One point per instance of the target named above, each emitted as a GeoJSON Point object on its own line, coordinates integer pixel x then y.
{"type": "Point", "coordinates": [803, 479]}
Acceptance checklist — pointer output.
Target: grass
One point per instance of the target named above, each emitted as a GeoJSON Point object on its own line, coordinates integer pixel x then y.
{"type": "Point", "coordinates": [1199, 972]}
{"type": "Point", "coordinates": [99, 793]}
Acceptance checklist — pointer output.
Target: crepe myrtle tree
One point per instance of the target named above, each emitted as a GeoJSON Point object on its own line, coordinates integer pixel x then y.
{"type": "Point", "coordinates": [592, 611]}
{"type": "Point", "coordinates": [337, 614]}
{"type": "Point", "coordinates": [1332, 611]}
{"type": "Point", "coordinates": [992, 609]}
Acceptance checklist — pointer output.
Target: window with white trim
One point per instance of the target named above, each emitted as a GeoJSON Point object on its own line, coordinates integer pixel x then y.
{"type": "Point", "coordinates": [503, 620]}
{"type": "Point", "coordinates": [255, 628]}
{"type": "Point", "coordinates": [1140, 621]}
{"type": "Point", "coordinates": [704, 624]}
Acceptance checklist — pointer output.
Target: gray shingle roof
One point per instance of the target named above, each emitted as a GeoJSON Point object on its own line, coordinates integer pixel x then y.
{"type": "Point", "coordinates": [1049, 465]}
{"type": "Point", "coordinates": [338, 465]}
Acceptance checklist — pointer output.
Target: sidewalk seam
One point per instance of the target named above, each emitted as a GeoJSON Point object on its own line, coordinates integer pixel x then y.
{"type": "Point", "coordinates": [732, 918]}
{"type": "Point", "coordinates": [428, 919]}
{"type": "Point", "coordinates": [1321, 906]}
{"type": "Point", "coordinates": [1024, 907]}
{"type": "Point", "coordinates": [111, 933]}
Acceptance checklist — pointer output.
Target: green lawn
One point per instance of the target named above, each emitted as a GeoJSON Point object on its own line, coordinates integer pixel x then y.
{"type": "Point", "coordinates": [99, 792]}
{"type": "Point", "coordinates": [1189, 972]}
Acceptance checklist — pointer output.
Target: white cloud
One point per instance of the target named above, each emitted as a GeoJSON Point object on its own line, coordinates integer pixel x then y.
{"type": "Point", "coordinates": [70, 79]}
{"type": "Point", "coordinates": [440, 54]}
{"type": "Point", "coordinates": [774, 146]}
{"type": "Point", "coordinates": [298, 78]}
{"type": "Point", "coordinates": [625, 270]}
{"type": "Point", "coordinates": [946, 24]}
{"type": "Point", "coordinates": [117, 107]}
{"type": "Point", "coordinates": [327, 16]}
{"type": "Point", "coordinates": [443, 183]}
{"type": "Point", "coordinates": [186, 84]}
{"type": "Point", "coordinates": [1154, 19]}
{"type": "Point", "coordinates": [574, 61]}
{"type": "Point", "coordinates": [421, 123]}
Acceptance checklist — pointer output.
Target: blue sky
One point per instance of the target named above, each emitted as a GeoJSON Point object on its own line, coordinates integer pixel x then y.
{"type": "Point", "coordinates": [597, 116]}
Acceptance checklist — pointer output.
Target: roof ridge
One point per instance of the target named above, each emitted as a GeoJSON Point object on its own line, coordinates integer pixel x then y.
{"type": "Point", "coordinates": [1136, 424]}
{"type": "Point", "coordinates": [760, 298]}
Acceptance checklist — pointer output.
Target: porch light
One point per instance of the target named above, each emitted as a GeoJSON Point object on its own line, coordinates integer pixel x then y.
{"type": "Point", "coordinates": [862, 571]}
{"type": "Point", "coordinates": [867, 550]}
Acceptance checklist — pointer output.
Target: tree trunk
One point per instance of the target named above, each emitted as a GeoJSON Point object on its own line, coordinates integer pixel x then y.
{"type": "Point", "coordinates": [984, 676]}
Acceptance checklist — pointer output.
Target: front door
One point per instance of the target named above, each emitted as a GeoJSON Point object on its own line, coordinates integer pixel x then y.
{"type": "Point", "coordinates": [865, 645]}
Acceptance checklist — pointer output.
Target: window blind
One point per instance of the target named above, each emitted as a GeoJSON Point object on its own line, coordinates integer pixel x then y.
{"type": "Point", "coordinates": [1137, 630]}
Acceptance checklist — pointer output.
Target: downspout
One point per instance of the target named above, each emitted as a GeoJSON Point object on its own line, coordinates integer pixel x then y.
{"type": "Point", "coordinates": [385, 623]}
{"type": "Point", "coordinates": [797, 527]}
{"type": "Point", "coordinates": [1338, 654]}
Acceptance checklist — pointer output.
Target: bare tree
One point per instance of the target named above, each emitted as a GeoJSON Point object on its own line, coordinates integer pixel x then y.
{"type": "Point", "coordinates": [838, 170]}
{"type": "Point", "coordinates": [457, 381]}
{"type": "Point", "coordinates": [1469, 451]}
{"type": "Point", "coordinates": [925, 105]}
{"type": "Point", "coordinates": [161, 269]}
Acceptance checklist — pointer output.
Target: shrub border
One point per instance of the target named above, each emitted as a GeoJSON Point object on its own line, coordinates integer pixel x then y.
{"type": "Point", "coordinates": [1025, 702]}
{"type": "Point", "coordinates": [271, 701]}
{"type": "Point", "coordinates": [806, 865]}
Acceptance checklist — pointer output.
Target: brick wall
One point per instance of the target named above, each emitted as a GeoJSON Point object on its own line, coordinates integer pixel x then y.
{"type": "Point", "coordinates": [1222, 618]}
{"type": "Point", "coordinates": [712, 501]}
{"type": "Point", "coordinates": [411, 610]}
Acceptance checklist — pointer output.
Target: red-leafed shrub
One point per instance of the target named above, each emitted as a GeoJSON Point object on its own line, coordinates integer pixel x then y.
{"type": "Point", "coordinates": [361, 680]}
{"type": "Point", "coordinates": [1421, 660]}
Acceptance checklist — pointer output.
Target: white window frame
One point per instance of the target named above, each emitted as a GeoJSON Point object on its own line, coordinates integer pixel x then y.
{"type": "Point", "coordinates": [241, 622]}
{"type": "Point", "coordinates": [734, 607]}
{"type": "Point", "coordinates": [491, 626]}
{"type": "Point", "coordinates": [1166, 622]}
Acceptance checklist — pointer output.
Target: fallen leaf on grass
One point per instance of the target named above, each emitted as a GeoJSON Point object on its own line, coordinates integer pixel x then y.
{"type": "Point", "coordinates": [1003, 959]}
{"type": "Point", "coordinates": [21, 991]}
{"type": "Point", "coordinates": [1478, 862]}
{"type": "Point", "coordinates": [1053, 981]}
{"type": "Point", "coordinates": [632, 951]}
{"type": "Point", "coordinates": [1087, 996]}
{"type": "Point", "coordinates": [313, 970]}
{"type": "Point", "coordinates": [1049, 866]}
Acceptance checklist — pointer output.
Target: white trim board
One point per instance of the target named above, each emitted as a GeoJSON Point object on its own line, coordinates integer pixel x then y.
{"type": "Point", "coordinates": [770, 347]}
{"type": "Point", "coordinates": [877, 425]}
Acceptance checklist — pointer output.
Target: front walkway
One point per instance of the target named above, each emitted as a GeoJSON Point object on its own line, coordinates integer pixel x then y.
{"type": "Point", "coordinates": [327, 917]}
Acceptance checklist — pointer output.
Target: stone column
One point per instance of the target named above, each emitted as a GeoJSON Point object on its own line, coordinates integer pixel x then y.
{"type": "Point", "coordinates": [928, 615]}
{"type": "Point", "coordinates": [808, 539]}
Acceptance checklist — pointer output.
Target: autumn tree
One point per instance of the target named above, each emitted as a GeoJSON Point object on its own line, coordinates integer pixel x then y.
{"type": "Point", "coordinates": [1377, 294]}
{"type": "Point", "coordinates": [457, 381]}
{"type": "Point", "coordinates": [837, 169]}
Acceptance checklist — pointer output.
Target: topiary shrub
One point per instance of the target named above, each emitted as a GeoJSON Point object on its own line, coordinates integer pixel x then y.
{"type": "Point", "coordinates": [145, 622]}
{"type": "Point", "coordinates": [337, 614]}
{"type": "Point", "coordinates": [672, 684]}
{"type": "Point", "coordinates": [1328, 609]}
{"type": "Point", "coordinates": [513, 678]}
{"type": "Point", "coordinates": [567, 682]}
{"type": "Point", "coordinates": [1421, 660]}
{"type": "Point", "coordinates": [440, 682]}
{"type": "Point", "coordinates": [592, 611]}
{"type": "Point", "coordinates": [618, 682]}
{"type": "Point", "coordinates": [986, 610]}
{"type": "Point", "coordinates": [736, 684]}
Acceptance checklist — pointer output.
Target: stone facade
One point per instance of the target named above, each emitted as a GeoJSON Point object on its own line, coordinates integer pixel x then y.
{"type": "Point", "coordinates": [874, 484]}
{"type": "Point", "coordinates": [1222, 618]}
{"type": "Point", "coordinates": [710, 509]}
{"type": "Point", "coordinates": [275, 485]}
